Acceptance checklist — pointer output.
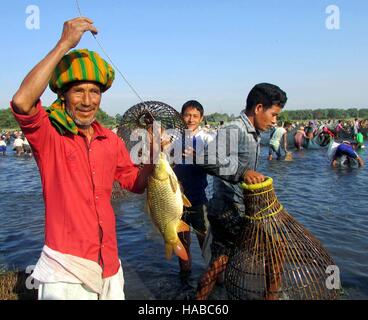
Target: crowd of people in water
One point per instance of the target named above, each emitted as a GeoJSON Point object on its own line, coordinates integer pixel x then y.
{"type": "Point", "coordinates": [17, 141]}
{"type": "Point", "coordinates": [343, 139]}
{"type": "Point", "coordinates": [343, 131]}
{"type": "Point", "coordinates": [340, 129]}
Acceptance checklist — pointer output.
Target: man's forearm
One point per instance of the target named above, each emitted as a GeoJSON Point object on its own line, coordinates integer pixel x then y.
{"type": "Point", "coordinates": [360, 162]}
{"type": "Point", "coordinates": [285, 142]}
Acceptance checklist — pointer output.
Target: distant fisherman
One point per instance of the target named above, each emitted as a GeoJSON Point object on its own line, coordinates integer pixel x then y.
{"type": "Point", "coordinates": [78, 161]}
{"type": "Point", "coordinates": [346, 149]}
{"type": "Point", "coordinates": [360, 139]}
{"type": "Point", "coordinates": [280, 134]}
{"type": "Point", "coordinates": [356, 127]}
{"type": "Point", "coordinates": [299, 138]}
{"type": "Point", "coordinates": [2, 145]}
{"type": "Point", "coordinates": [325, 136]}
{"type": "Point", "coordinates": [338, 129]}
{"type": "Point", "coordinates": [311, 130]}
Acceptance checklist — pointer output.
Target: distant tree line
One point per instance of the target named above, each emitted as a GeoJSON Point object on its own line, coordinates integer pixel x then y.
{"type": "Point", "coordinates": [7, 120]}
{"type": "Point", "coordinates": [305, 114]}
{"type": "Point", "coordinates": [210, 118]}
{"type": "Point", "coordinates": [217, 117]}
{"type": "Point", "coordinates": [322, 114]}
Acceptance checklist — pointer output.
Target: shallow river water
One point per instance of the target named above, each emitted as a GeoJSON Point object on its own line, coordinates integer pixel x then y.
{"type": "Point", "coordinates": [331, 203]}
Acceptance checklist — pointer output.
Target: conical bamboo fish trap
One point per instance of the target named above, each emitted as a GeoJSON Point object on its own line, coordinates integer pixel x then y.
{"type": "Point", "coordinates": [276, 257]}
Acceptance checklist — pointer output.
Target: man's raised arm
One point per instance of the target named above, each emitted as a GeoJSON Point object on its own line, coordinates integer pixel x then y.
{"type": "Point", "coordinates": [35, 83]}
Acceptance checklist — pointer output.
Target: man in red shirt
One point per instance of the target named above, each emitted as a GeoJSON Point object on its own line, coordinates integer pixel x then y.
{"type": "Point", "coordinates": [78, 161]}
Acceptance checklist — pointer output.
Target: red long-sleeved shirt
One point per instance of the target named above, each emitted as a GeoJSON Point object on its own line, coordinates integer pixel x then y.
{"type": "Point", "coordinates": [77, 178]}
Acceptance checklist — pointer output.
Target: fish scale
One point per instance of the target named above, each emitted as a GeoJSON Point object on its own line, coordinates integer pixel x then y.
{"type": "Point", "coordinates": [165, 205]}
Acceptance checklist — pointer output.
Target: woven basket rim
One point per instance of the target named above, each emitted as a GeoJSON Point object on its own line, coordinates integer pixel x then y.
{"type": "Point", "coordinates": [266, 183]}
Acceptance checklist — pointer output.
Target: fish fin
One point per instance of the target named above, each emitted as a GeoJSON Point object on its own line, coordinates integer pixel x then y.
{"type": "Point", "coordinates": [147, 206]}
{"type": "Point", "coordinates": [173, 183]}
{"type": "Point", "coordinates": [180, 251]}
{"type": "Point", "coordinates": [182, 227]}
{"type": "Point", "coordinates": [168, 249]}
{"type": "Point", "coordinates": [181, 187]}
{"type": "Point", "coordinates": [186, 202]}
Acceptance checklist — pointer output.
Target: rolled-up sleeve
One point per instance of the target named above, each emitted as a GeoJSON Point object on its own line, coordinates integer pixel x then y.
{"type": "Point", "coordinates": [225, 156]}
{"type": "Point", "coordinates": [36, 127]}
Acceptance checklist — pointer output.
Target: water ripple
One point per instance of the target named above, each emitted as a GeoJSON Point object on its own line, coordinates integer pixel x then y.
{"type": "Point", "coordinates": [332, 204]}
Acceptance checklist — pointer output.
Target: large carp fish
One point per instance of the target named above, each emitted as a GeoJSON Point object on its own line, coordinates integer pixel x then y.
{"type": "Point", "coordinates": [165, 202]}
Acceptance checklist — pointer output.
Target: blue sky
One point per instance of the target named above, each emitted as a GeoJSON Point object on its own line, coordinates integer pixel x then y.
{"type": "Point", "coordinates": [212, 51]}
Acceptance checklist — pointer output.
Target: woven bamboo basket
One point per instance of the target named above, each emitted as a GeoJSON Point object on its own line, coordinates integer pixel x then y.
{"type": "Point", "coordinates": [143, 115]}
{"type": "Point", "coordinates": [276, 258]}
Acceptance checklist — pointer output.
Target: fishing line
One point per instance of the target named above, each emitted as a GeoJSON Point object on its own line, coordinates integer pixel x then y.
{"type": "Point", "coordinates": [112, 63]}
{"type": "Point", "coordinates": [118, 70]}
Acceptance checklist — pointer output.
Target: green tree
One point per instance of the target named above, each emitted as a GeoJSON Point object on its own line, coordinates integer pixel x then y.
{"type": "Point", "coordinates": [7, 120]}
{"type": "Point", "coordinates": [363, 113]}
{"type": "Point", "coordinates": [284, 116]}
{"type": "Point", "coordinates": [318, 114]}
{"type": "Point", "coordinates": [105, 119]}
{"type": "Point", "coordinates": [118, 118]}
{"type": "Point", "coordinates": [333, 113]}
{"type": "Point", "coordinates": [352, 113]}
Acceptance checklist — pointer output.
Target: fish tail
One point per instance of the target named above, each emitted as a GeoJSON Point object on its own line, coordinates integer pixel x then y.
{"type": "Point", "coordinates": [168, 249]}
{"type": "Point", "coordinates": [180, 251]}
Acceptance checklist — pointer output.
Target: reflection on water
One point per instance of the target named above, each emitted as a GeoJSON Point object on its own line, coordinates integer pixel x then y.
{"type": "Point", "coordinates": [331, 203]}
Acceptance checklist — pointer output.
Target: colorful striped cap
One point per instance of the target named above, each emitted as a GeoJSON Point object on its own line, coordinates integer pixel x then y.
{"type": "Point", "coordinates": [82, 65]}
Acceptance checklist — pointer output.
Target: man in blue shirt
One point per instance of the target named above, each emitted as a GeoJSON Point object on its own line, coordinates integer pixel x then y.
{"type": "Point", "coordinates": [346, 149]}
{"type": "Point", "coordinates": [193, 179]}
